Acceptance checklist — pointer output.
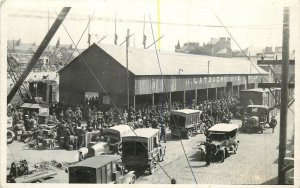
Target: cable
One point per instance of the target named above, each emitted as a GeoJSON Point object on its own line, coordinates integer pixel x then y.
{"type": "Point", "coordinates": [248, 58]}
{"type": "Point", "coordinates": [93, 74]}
{"type": "Point", "coordinates": [162, 92]}
{"type": "Point", "coordinates": [80, 36]}
{"type": "Point", "coordinates": [106, 19]}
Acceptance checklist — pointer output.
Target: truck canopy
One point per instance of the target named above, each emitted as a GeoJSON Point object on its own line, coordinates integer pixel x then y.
{"type": "Point", "coordinates": [97, 161]}
{"type": "Point", "coordinates": [185, 111]}
{"type": "Point", "coordinates": [120, 130]}
{"type": "Point", "coordinates": [223, 127]}
{"type": "Point", "coordinates": [140, 133]}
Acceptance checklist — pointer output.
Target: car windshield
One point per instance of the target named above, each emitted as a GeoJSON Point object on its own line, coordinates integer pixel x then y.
{"type": "Point", "coordinates": [177, 120]}
{"type": "Point", "coordinates": [217, 136]}
{"type": "Point", "coordinates": [255, 111]}
{"type": "Point", "coordinates": [113, 138]}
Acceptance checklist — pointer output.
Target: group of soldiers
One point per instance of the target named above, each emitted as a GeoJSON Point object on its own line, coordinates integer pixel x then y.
{"type": "Point", "coordinates": [69, 123]}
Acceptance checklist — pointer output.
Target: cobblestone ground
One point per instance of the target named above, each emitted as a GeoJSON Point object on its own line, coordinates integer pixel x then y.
{"type": "Point", "coordinates": [255, 162]}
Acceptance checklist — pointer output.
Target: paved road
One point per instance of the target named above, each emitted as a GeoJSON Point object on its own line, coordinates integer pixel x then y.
{"type": "Point", "coordinates": [255, 162]}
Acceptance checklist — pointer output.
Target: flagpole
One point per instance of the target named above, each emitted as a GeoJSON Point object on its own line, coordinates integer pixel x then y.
{"type": "Point", "coordinates": [89, 35]}
{"type": "Point", "coordinates": [115, 42]}
{"type": "Point", "coordinates": [127, 45]}
{"type": "Point", "coordinates": [144, 41]}
{"type": "Point", "coordinates": [48, 28]}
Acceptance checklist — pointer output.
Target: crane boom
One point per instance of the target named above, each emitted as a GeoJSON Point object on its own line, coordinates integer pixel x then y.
{"type": "Point", "coordinates": [62, 15]}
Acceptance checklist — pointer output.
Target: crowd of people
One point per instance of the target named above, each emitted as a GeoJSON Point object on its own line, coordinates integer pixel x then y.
{"type": "Point", "coordinates": [91, 116]}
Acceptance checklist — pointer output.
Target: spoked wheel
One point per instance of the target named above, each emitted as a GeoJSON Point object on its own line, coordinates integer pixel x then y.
{"type": "Point", "coordinates": [198, 129]}
{"type": "Point", "coordinates": [189, 133]}
{"type": "Point", "coordinates": [80, 157]}
{"type": "Point", "coordinates": [235, 149]}
{"type": "Point", "coordinates": [151, 168]}
{"type": "Point", "coordinates": [10, 137]}
{"type": "Point", "coordinates": [161, 156]}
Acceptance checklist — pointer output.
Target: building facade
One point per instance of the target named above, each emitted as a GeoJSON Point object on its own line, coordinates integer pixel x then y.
{"type": "Point", "coordinates": [101, 71]}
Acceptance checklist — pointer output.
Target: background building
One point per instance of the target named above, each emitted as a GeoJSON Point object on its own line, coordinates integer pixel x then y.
{"type": "Point", "coordinates": [101, 71]}
{"type": "Point", "coordinates": [219, 47]}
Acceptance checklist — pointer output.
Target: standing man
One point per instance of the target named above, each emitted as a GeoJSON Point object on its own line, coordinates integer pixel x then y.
{"type": "Point", "coordinates": [273, 123]}
{"type": "Point", "coordinates": [208, 151]}
{"type": "Point", "coordinates": [163, 132]}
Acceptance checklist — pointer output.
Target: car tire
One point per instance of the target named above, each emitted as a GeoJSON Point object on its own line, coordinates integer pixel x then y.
{"type": "Point", "coordinates": [132, 180]}
{"type": "Point", "coordinates": [188, 134]}
{"type": "Point", "coordinates": [151, 168]}
{"type": "Point", "coordinates": [10, 137]}
{"type": "Point", "coordinates": [235, 150]}
{"type": "Point", "coordinates": [80, 157]}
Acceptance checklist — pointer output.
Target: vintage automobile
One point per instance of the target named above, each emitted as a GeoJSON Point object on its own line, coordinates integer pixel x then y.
{"type": "Point", "coordinates": [258, 116]}
{"type": "Point", "coordinates": [113, 136]}
{"type": "Point", "coordinates": [185, 122]}
{"type": "Point", "coordinates": [103, 169]}
{"type": "Point", "coordinates": [141, 150]}
{"type": "Point", "coordinates": [10, 133]}
{"type": "Point", "coordinates": [223, 140]}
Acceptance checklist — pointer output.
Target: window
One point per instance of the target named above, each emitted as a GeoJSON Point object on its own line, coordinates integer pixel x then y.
{"type": "Point", "coordinates": [177, 120]}
{"type": "Point", "coordinates": [109, 172]}
{"type": "Point", "coordinates": [103, 175]}
{"type": "Point", "coordinates": [156, 141]}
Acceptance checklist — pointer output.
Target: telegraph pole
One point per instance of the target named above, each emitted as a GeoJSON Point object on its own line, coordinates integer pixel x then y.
{"type": "Point", "coordinates": [89, 35]}
{"type": "Point", "coordinates": [127, 45]}
{"type": "Point", "coordinates": [60, 18]}
{"type": "Point", "coordinates": [284, 96]}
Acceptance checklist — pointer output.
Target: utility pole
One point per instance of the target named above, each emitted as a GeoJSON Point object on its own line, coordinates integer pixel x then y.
{"type": "Point", "coordinates": [144, 36]}
{"type": "Point", "coordinates": [208, 66]}
{"type": "Point", "coordinates": [127, 45]}
{"type": "Point", "coordinates": [89, 35]}
{"type": "Point", "coordinates": [284, 96]}
{"type": "Point", "coordinates": [116, 36]}
{"type": "Point", "coordinates": [48, 28]}
{"type": "Point", "coordinates": [60, 18]}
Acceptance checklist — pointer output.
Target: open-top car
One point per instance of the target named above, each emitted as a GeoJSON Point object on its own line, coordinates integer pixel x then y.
{"type": "Point", "coordinates": [185, 122]}
{"type": "Point", "coordinates": [222, 139]}
{"type": "Point", "coordinates": [257, 117]}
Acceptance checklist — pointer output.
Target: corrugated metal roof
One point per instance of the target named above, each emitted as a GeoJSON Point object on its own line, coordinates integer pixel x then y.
{"type": "Point", "coordinates": [144, 62]}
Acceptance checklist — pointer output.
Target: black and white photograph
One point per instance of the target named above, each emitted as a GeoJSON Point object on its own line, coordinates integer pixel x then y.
{"type": "Point", "coordinates": [149, 92]}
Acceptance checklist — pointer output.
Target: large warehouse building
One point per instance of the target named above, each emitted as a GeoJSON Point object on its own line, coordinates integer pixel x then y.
{"type": "Point", "coordinates": [101, 71]}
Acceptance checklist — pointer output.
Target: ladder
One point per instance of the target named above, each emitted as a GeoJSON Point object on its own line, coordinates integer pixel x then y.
{"type": "Point", "coordinates": [13, 69]}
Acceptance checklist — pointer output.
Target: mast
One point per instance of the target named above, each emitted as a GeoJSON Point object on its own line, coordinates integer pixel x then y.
{"type": "Point", "coordinates": [127, 45]}
{"type": "Point", "coordinates": [60, 18]}
{"type": "Point", "coordinates": [89, 35]}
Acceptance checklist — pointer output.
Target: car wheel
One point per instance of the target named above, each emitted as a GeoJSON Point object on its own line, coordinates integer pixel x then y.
{"type": "Point", "coordinates": [10, 137]}
{"type": "Point", "coordinates": [132, 180]}
{"type": "Point", "coordinates": [189, 133]}
{"type": "Point", "coordinates": [80, 157]}
{"type": "Point", "coordinates": [235, 149]}
{"type": "Point", "coordinates": [161, 156]}
{"type": "Point", "coordinates": [151, 168]}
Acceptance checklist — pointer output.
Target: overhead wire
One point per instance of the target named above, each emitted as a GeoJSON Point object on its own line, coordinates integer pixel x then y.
{"type": "Point", "coordinates": [248, 58]}
{"type": "Point", "coordinates": [107, 19]}
{"type": "Point", "coordinates": [95, 77]}
{"type": "Point", "coordinates": [162, 92]}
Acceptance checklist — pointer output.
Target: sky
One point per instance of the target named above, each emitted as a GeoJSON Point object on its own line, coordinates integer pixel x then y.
{"type": "Point", "coordinates": [251, 22]}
